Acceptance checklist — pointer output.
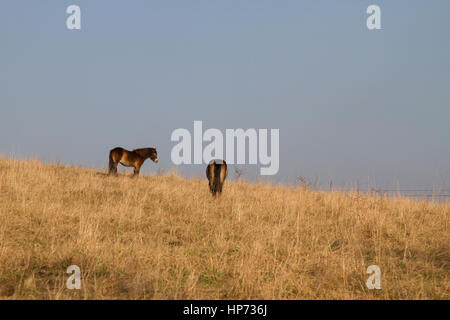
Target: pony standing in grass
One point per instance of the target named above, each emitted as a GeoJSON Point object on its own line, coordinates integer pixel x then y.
{"type": "Point", "coordinates": [216, 172]}
{"type": "Point", "coordinates": [133, 158]}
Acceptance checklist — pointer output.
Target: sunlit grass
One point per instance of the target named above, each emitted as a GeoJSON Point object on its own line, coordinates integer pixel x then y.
{"type": "Point", "coordinates": [165, 237]}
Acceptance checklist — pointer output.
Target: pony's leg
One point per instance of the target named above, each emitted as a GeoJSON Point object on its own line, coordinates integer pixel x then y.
{"type": "Point", "coordinates": [136, 172]}
{"type": "Point", "coordinates": [211, 187]}
{"type": "Point", "coordinates": [113, 169]}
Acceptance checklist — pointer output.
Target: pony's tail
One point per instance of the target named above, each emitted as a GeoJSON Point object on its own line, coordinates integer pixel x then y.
{"type": "Point", "coordinates": [217, 182]}
{"type": "Point", "coordinates": [111, 163]}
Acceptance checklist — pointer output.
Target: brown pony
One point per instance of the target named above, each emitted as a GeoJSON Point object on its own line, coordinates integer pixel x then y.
{"type": "Point", "coordinates": [216, 172]}
{"type": "Point", "coordinates": [133, 158]}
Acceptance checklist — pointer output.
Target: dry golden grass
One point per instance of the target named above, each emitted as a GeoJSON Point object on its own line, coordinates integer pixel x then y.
{"type": "Point", "coordinates": [165, 237]}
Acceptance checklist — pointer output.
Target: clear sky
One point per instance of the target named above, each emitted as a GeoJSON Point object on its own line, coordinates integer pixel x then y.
{"type": "Point", "coordinates": [351, 104]}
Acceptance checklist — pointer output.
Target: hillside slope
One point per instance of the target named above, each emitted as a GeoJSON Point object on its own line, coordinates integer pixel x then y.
{"type": "Point", "coordinates": [165, 237]}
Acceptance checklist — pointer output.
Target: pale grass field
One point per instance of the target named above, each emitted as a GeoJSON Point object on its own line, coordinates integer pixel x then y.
{"type": "Point", "coordinates": [165, 237]}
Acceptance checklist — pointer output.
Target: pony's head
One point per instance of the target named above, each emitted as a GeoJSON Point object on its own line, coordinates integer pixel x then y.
{"type": "Point", "coordinates": [153, 155]}
{"type": "Point", "coordinates": [147, 153]}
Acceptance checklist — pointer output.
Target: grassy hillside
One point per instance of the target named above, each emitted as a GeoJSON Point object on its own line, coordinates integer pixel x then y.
{"type": "Point", "coordinates": [165, 237]}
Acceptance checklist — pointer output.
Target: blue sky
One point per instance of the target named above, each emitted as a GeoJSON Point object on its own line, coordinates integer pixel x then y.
{"type": "Point", "coordinates": [352, 105]}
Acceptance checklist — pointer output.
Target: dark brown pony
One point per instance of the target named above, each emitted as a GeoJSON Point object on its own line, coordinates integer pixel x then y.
{"type": "Point", "coordinates": [133, 158]}
{"type": "Point", "coordinates": [216, 172]}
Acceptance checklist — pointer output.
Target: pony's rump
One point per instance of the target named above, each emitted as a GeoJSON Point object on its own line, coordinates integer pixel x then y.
{"type": "Point", "coordinates": [216, 172]}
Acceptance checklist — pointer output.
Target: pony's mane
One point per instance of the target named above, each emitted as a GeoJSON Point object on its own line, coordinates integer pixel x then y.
{"type": "Point", "coordinates": [145, 152]}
